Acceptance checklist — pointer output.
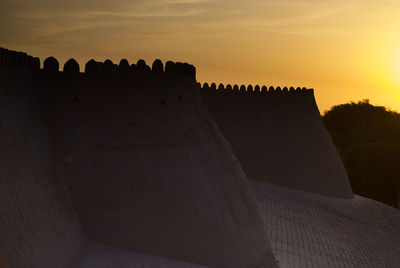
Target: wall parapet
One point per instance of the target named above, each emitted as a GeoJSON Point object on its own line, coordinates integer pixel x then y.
{"type": "Point", "coordinates": [51, 65]}
{"type": "Point", "coordinates": [256, 90]}
{"type": "Point", "coordinates": [94, 68]}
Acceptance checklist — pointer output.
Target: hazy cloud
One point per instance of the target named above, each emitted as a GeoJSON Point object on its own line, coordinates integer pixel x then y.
{"type": "Point", "coordinates": [26, 19]}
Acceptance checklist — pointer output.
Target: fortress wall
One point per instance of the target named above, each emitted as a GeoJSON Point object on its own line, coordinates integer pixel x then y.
{"type": "Point", "coordinates": [279, 137]}
{"type": "Point", "coordinates": [148, 167]}
{"type": "Point", "coordinates": [38, 227]}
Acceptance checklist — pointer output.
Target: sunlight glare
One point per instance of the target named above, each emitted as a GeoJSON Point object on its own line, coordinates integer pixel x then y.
{"type": "Point", "coordinates": [397, 68]}
{"type": "Point", "coordinates": [398, 65]}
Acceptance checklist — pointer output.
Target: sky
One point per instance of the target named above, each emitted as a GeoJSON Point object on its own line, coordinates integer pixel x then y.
{"type": "Point", "coordinates": [347, 50]}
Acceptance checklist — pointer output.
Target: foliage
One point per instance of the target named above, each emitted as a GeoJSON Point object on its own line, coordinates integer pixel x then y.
{"type": "Point", "coordinates": [368, 140]}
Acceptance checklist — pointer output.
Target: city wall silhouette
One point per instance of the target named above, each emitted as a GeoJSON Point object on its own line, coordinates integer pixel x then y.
{"type": "Point", "coordinates": [38, 225]}
{"type": "Point", "coordinates": [279, 137]}
{"type": "Point", "coordinates": [142, 167]}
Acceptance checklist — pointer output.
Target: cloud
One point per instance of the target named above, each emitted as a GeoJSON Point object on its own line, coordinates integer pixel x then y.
{"type": "Point", "coordinates": [34, 19]}
{"type": "Point", "coordinates": [29, 20]}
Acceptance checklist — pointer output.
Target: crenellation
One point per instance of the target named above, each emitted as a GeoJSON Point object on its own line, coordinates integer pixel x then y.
{"type": "Point", "coordinates": [278, 93]}
{"type": "Point", "coordinates": [33, 63]}
{"type": "Point", "coordinates": [92, 67]}
{"type": "Point", "coordinates": [141, 66]}
{"type": "Point", "coordinates": [123, 66]}
{"type": "Point", "coordinates": [179, 68]}
{"type": "Point", "coordinates": [99, 66]}
{"type": "Point", "coordinates": [271, 89]}
{"type": "Point", "coordinates": [71, 67]}
{"type": "Point", "coordinates": [186, 69]}
{"type": "Point", "coordinates": [51, 65]}
{"type": "Point", "coordinates": [108, 67]}
{"type": "Point", "coordinates": [258, 91]}
{"type": "Point", "coordinates": [170, 67]}
{"type": "Point", "coordinates": [192, 71]}
{"type": "Point", "coordinates": [157, 67]}
{"type": "Point", "coordinates": [36, 63]}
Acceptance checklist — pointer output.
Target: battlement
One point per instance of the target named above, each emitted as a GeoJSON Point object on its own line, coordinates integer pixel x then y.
{"type": "Point", "coordinates": [254, 91]}
{"type": "Point", "coordinates": [94, 68]}
{"type": "Point", "coordinates": [107, 67]}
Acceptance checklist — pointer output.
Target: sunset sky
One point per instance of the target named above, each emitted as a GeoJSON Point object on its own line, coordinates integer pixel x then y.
{"type": "Point", "coordinates": [344, 49]}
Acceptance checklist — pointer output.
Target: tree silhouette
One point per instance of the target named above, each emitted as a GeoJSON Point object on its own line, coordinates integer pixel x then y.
{"type": "Point", "coordinates": [368, 140]}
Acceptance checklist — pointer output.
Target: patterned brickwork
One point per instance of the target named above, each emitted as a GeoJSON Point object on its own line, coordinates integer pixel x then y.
{"type": "Point", "coordinates": [310, 230]}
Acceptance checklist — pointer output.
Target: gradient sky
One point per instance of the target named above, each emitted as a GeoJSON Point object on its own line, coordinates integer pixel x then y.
{"type": "Point", "coordinates": [344, 49]}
